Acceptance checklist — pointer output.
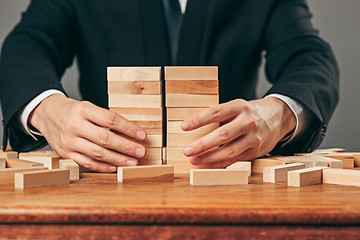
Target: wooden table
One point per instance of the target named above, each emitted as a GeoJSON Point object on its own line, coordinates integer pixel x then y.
{"type": "Point", "coordinates": [97, 206]}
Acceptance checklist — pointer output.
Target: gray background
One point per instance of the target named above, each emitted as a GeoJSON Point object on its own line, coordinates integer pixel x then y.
{"type": "Point", "coordinates": [338, 22]}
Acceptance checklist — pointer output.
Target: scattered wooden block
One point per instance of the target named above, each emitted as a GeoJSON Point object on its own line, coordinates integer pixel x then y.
{"type": "Point", "coordinates": [164, 155]}
{"type": "Point", "coordinates": [191, 73]}
{"type": "Point", "coordinates": [305, 177]}
{"type": "Point", "coordinates": [48, 161]}
{"type": "Point", "coordinates": [136, 87]}
{"type": "Point", "coordinates": [208, 87]}
{"type": "Point", "coordinates": [39, 154]}
{"type": "Point", "coordinates": [328, 150]}
{"type": "Point", "coordinates": [218, 177]}
{"type": "Point", "coordinates": [175, 127]}
{"type": "Point", "coordinates": [191, 100]}
{"type": "Point", "coordinates": [18, 163]}
{"type": "Point", "coordinates": [133, 74]}
{"type": "Point", "coordinates": [134, 101]}
{"type": "Point", "coordinates": [42, 178]}
{"type": "Point", "coordinates": [140, 114]}
{"type": "Point", "coordinates": [341, 176]}
{"type": "Point", "coordinates": [347, 158]}
{"type": "Point", "coordinates": [2, 163]}
{"type": "Point", "coordinates": [309, 161]}
{"type": "Point", "coordinates": [151, 173]}
{"type": "Point", "coordinates": [257, 165]}
{"type": "Point", "coordinates": [357, 159]}
{"type": "Point", "coordinates": [241, 165]}
{"type": "Point", "coordinates": [277, 174]}
{"type": "Point", "coordinates": [72, 166]}
{"type": "Point", "coordinates": [8, 154]}
{"type": "Point", "coordinates": [180, 114]}
{"type": "Point", "coordinates": [183, 166]}
{"type": "Point", "coordinates": [7, 174]}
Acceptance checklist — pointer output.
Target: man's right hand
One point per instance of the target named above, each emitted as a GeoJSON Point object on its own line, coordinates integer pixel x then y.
{"type": "Point", "coordinates": [79, 130]}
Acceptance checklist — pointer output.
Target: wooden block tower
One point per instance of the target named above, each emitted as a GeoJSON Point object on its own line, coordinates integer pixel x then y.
{"type": "Point", "coordinates": [135, 94]}
{"type": "Point", "coordinates": [189, 90]}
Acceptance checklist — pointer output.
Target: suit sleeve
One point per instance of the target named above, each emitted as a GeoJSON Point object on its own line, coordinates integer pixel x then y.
{"type": "Point", "coordinates": [33, 59]}
{"type": "Point", "coordinates": [302, 66]}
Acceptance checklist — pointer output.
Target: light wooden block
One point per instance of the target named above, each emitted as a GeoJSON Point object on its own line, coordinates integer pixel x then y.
{"type": "Point", "coordinates": [357, 159]}
{"type": "Point", "coordinates": [150, 173]}
{"type": "Point", "coordinates": [18, 163]}
{"type": "Point", "coordinates": [164, 155]}
{"type": "Point", "coordinates": [137, 87]}
{"type": "Point", "coordinates": [133, 74]}
{"type": "Point", "coordinates": [151, 127]}
{"type": "Point", "coordinates": [39, 154]}
{"type": "Point", "coordinates": [8, 154]}
{"type": "Point", "coordinates": [180, 114]}
{"type": "Point", "coordinates": [133, 100]}
{"type": "Point", "coordinates": [72, 166]}
{"type": "Point", "coordinates": [328, 150]}
{"type": "Point", "coordinates": [218, 177]}
{"type": "Point", "coordinates": [155, 141]}
{"type": "Point", "coordinates": [181, 139]}
{"type": "Point", "coordinates": [191, 100]}
{"type": "Point", "coordinates": [347, 158]}
{"type": "Point", "coordinates": [183, 166]}
{"type": "Point", "coordinates": [7, 174]}
{"type": "Point", "coordinates": [347, 177]}
{"type": "Point", "coordinates": [191, 73]}
{"type": "Point", "coordinates": [140, 114]}
{"type": "Point", "coordinates": [2, 163]}
{"type": "Point", "coordinates": [257, 165]}
{"type": "Point", "coordinates": [241, 165]}
{"type": "Point", "coordinates": [305, 177]}
{"type": "Point", "coordinates": [309, 161]}
{"type": "Point", "coordinates": [175, 127]}
{"type": "Point", "coordinates": [42, 178]}
{"type": "Point", "coordinates": [47, 161]}
{"type": "Point", "coordinates": [277, 174]}
{"type": "Point", "coordinates": [152, 154]}
{"type": "Point", "coordinates": [175, 153]}
{"type": "Point", "coordinates": [208, 87]}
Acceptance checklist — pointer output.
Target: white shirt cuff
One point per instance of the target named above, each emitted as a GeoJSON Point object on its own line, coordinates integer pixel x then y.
{"type": "Point", "coordinates": [303, 115]}
{"type": "Point", "coordinates": [26, 111]}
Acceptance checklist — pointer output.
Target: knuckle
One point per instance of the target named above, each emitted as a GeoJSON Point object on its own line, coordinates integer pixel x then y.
{"type": "Point", "coordinates": [230, 152]}
{"type": "Point", "coordinates": [87, 165]}
{"type": "Point", "coordinates": [98, 153]}
{"type": "Point", "coordinates": [216, 113]}
{"type": "Point", "coordinates": [70, 125]}
{"type": "Point", "coordinates": [112, 119]}
{"type": "Point", "coordinates": [224, 135]}
{"type": "Point", "coordinates": [105, 139]}
{"type": "Point", "coordinates": [82, 106]}
{"type": "Point", "coordinates": [126, 148]}
{"type": "Point", "coordinates": [201, 145]}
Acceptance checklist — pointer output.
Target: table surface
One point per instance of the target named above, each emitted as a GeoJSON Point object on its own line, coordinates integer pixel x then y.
{"type": "Point", "coordinates": [99, 198]}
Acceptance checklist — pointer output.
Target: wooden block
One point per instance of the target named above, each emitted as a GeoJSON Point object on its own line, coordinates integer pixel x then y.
{"type": "Point", "coordinates": [137, 87]}
{"type": "Point", "coordinates": [42, 178]}
{"type": "Point", "coordinates": [2, 163]}
{"type": "Point", "coordinates": [18, 163]}
{"type": "Point", "coordinates": [305, 177]}
{"type": "Point", "coordinates": [191, 73]}
{"type": "Point", "coordinates": [155, 141]}
{"type": "Point", "coordinates": [183, 166]}
{"type": "Point", "coordinates": [333, 163]}
{"type": "Point", "coordinates": [307, 160]}
{"type": "Point", "coordinates": [175, 153]}
{"type": "Point", "coordinates": [180, 139]}
{"type": "Point", "coordinates": [277, 174]}
{"type": "Point", "coordinates": [191, 100]}
{"type": "Point", "coordinates": [135, 101]}
{"type": "Point", "coordinates": [347, 158]}
{"type": "Point", "coordinates": [47, 161]}
{"type": "Point", "coordinates": [140, 114]}
{"type": "Point", "coordinates": [218, 177]}
{"type": "Point", "coordinates": [180, 114]}
{"type": "Point", "coordinates": [8, 154]}
{"type": "Point", "coordinates": [39, 154]}
{"type": "Point", "coordinates": [257, 165]}
{"type": "Point", "coordinates": [152, 154]}
{"type": "Point", "coordinates": [175, 127]}
{"type": "Point", "coordinates": [133, 74]}
{"type": "Point", "coordinates": [150, 162]}
{"type": "Point", "coordinates": [7, 174]}
{"type": "Point", "coordinates": [208, 87]}
{"type": "Point", "coordinates": [347, 177]}
{"type": "Point", "coordinates": [164, 155]}
{"type": "Point", "coordinates": [357, 159]}
{"type": "Point", "coordinates": [151, 127]}
{"type": "Point", "coordinates": [328, 150]}
{"type": "Point", "coordinates": [72, 166]}
{"type": "Point", "coordinates": [241, 165]}
{"type": "Point", "coordinates": [150, 173]}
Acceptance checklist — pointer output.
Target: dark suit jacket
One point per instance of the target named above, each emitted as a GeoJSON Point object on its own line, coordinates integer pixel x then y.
{"type": "Point", "coordinates": [231, 34]}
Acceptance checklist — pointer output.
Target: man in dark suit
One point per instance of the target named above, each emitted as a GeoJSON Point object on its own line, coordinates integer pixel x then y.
{"type": "Point", "coordinates": [231, 34]}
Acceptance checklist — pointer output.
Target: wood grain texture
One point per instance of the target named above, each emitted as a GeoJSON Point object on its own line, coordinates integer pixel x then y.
{"type": "Point", "coordinates": [134, 100]}
{"type": "Point", "coordinates": [180, 114]}
{"type": "Point", "coordinates": [18, 163]}
{"type": "Point", "coordinates": [140, 114]}
{"type": "Point", "coordinates": [183, 166]}
{"type": "Point", "coordinates": [8, 154]}
{"type": "Point", "coordinates": [357, 159]}
{"type": "Point", "coordinates": [180, 139]}
{"type": "Point", "coordinates": [2, 163]}
{"type": "Point", "coordinates": [136, 87]}
{"type": "Point", "coordinates": [213, 177]}
{"type": "Point", "coordinates": [42, 178]}
{"type": "Point", "coordinates": [152, 154]}
{"type": "Point", "coordinates": [241, 166]}
{"type": "Point", "coordinates": [257, 165]}
{"type": "Point", "coordinates": [347, 158]}
{"type": "Point", "coordinates": [72, 166]}
{"type": "Point", "coordinates": [191, 73]}
{"type": "Point", "coordinates": [153, 173]}
{"type": "Point", "coordinates": [175, 153]}
{"type": "Point", "coordinates": [305, 177]}
{"type": "Point", "coordinates": [309, 161]}
{"type": "Point", "coordinates": [191, 100]}
{"type": "Point", "coordinates": [155, 141]}
{"type": "Point", "coordinates": [48, 161]}
{"type": "Point", "coordinates": [347, 177]}
{"type": "Point", "coordinates": [7, 174]}
{"type": "Point", "coordinates": [133, 74]}
{"type": "Point", "coordinates": [175, 127]}
{"type": "Point", "coordinates": [151, 127]}
{"type": "Point", "coordinates": [277, 174]}
{"type": "Point", "coordinates": [207, 87]}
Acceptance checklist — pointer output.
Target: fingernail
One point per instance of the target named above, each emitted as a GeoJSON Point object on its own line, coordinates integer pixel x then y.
{"type": "Point", "coordinates": [189, 151]}
{"type": "Point", "coordinates": [140, 152]}
{"type": "Point", "coordinates": [112, 169]}
{"type": "Point", "coordinates": [141, 134]}
{"type": "Point", "coordinates": [131, 163]}
{"type": "Point", "coordinates": [186, 125]}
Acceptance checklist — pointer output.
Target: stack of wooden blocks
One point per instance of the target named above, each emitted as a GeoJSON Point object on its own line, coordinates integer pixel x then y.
{"type": "Point", "coordinates": [135, 94]}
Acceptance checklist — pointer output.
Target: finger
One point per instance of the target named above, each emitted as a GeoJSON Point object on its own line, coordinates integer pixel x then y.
{"type": "Point", "coordinates": [218, 113]}
{"type": "Point", "coordinates": [221, 164]}
{"type": "Point", "coordinates": [91, 164]}
{"type": "Point", "coordinates": [99, 153]}
{"type": "Point", "coordinates": [111, 120]}
{"type": "Point", "coordinates": [110, 140]}
{"type": "Point", "coordinates": [220, 136]}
